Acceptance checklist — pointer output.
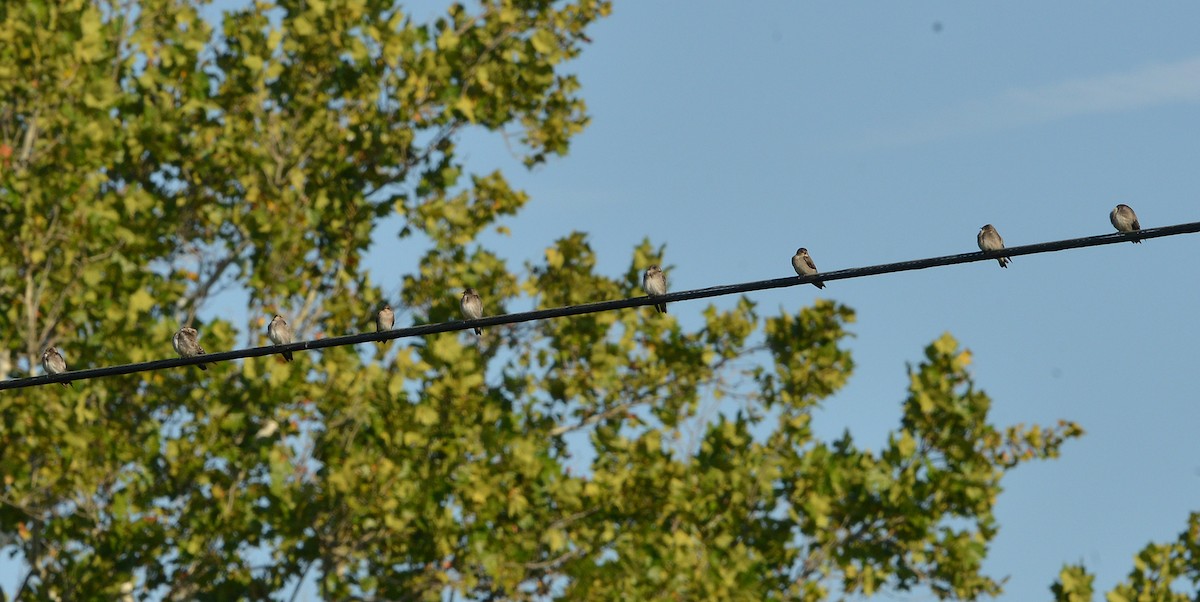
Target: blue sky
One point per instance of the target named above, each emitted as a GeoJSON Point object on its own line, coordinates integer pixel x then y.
{"type": "Point", "coordinates": [735, 135]}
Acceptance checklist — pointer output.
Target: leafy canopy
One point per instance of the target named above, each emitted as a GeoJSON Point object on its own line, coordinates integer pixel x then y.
{"type": "Point", "coordinates": [149, 163]}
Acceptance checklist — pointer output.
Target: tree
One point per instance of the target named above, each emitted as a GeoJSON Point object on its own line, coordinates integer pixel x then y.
{"type": "Point", "coordinates": [1161, 573]}
{"type": "Point", "coordinates": [147, 164]}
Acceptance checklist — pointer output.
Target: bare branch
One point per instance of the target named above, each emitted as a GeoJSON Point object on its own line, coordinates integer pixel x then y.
{"type": "Point", "coordinates": [443, 134]}
{"type": "Point", "coordinates": [300, 582]}
{"type": "Point", "coordinates": [200, 293]}
{"type": "Point", "coordinates": [302, 316]}
{"type": "Point", "coordinates": [594, 418]}
{"type": "Point", "coordinates": [30, 137]}
{"type": "Point", "coordinates": [30, 315]}
{"type": "Point", "coordinates": [554, 563]}
{"type": "Point", "coordinates": [24, 584]}
{"type": "Point", "coordinates": [566, 520]}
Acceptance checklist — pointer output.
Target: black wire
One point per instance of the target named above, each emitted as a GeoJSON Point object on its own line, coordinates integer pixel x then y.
{"type": "Point", "coordinates": [575, 310]}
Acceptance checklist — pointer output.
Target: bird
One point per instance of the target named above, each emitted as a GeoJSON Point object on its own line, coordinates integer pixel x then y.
{"type": "Point", "coordinates": [804, 266]}
{"type": "Point", "coordinates": [54, 363]}
{"type": "Point", "coordinates": [472, 307]}
{"type": "Point", "coordinates": [280, 334]}
{"type": "Point", "coordinates": [187, 345]}
{"type": "Point", "coordinates": [1125, 220]}
{"type": "Point", "coordinates": [385, 319]}
{"type": "Point", "coordinates": [989, 240]}
{"type": "Point", "coordinates": [655, 283]}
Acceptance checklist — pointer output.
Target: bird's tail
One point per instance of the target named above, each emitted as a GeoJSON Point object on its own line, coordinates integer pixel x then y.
{"type": "Point", "coordinates": [661, 307]}
{"type": "Point", "coordinates": [479, 332]}
{"type": "Point", "coordinates": [1004, 261]}
{"type": "Point", "coordinates": [287, 355]}
{"type": "Point", "coordinates": [819, 284]}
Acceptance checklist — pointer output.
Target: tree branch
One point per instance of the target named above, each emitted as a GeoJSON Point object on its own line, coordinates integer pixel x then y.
{"type": "Point", "coordinates": [300, 583]}
{"type": "Point", "coordinates": [197, 296]}
{"type": "Point", "coordinates": [593, 419]}
{"type": "Point", "coordinates": [24, 584]}
{"type": "Point", "coordinates": [554, 563]}
{"type": "Point", "coordinates": [30, 136]}
{"type": "Point", "coordinates": [566, 520]}
{"type": "Point", "coordinates": [302, 316]}
{"type": "Point", "coordinates": [30, 314]}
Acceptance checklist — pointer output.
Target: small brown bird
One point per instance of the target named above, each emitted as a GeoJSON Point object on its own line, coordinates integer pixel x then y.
{"type": "Point", "coordinates": [54, 363]}
{"type": "Point", "coordinates": [989, 240]}
{"type": "Point", "coordinates": [804, 266]}
{"type": "Point", "coordinates": [1125, 220]}
{"type": "Point", "coordinates": [280, 334]}
{"type": "Point", "coordinates": [472, 307]}
{"type": "Point", "coordinates": [654, 281]}
{"type": "Point", "coordinates": [187, 344]}
{"type": "Point", "coordinates": [385, 319]}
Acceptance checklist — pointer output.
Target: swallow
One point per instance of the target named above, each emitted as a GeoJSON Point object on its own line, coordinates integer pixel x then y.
{"type": "Point", "coordinates": [472, 307]}
{"type": "Point", "coordinates": [280, 334]}
{"type": "Point", "coordinates": [989, 240]}
{"type": "Point", "coordinates": [1125, 220]}
{"type": "Point", "coordinates": [187, 345]}
{"type": "Point", "coordinates": [655, 283]}
{"type": "Point", "coordinates": [385, 319]}
{"type": "Point", "coordinates": [804, 266]}
{"type": "Point", "coordinates": [54, 363]}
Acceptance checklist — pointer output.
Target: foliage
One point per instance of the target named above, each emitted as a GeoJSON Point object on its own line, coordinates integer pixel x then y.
{"type": "Point", "coordinates": [148, 162]}
{"type": "Point", "coordinates": [1161, 573]}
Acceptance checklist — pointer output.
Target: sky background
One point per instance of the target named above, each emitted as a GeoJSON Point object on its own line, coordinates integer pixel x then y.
{"type": "Point", "coordinates": [735, 133]}
{"type": "Point", "coordinates": [880, 132]}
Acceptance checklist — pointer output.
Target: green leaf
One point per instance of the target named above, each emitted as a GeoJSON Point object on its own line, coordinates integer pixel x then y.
{"type": "Point", "coordinates": [302, 27]}
{"type": "Point", "coordinates": [543, 41]}
{"type": "Point", "coordinates": [140, 301]}
{"type": "Point", "coordinates": [425, 415]}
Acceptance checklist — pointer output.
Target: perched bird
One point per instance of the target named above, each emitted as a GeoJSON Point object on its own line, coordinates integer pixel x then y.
{"type": "Point", "coordinates": [472, 307]}
{"type": "Point", "coordinates": [655, 283]}
{"type": "Point", "coordinates": [989, 240]}
{"type": "Point", "coordinates": [54, 363]}
{"type": "Point", "coordinates": [187, 345]}
{"type": "Point", "coordinates": [804, 266]}
{"type": "Point", "coordinates": [385, 319]}
{"type": "Point", "coordinates": [280, 334]}
{"type": "Point", "coordinates": [1125, 220]}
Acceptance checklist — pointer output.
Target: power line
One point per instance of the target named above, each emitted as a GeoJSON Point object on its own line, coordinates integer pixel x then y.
{"type": "Point", "coordinates": [587, 308]}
